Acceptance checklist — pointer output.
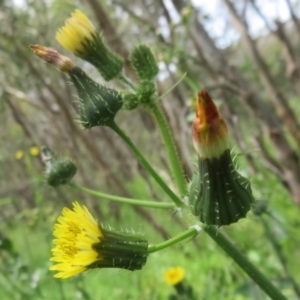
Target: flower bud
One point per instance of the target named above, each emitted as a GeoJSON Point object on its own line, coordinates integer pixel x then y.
{"type": "Point", "coordinates": [130, 99]}
{"type": "Point", "coordinates": [260, 207]}
{"type": "Point", "coordinates": [219, 195]}
{"type": "Point", "coordinates": [144, 63]}
{"type": "Point", "coordinates": [145, 92]}
{"type": "Point", "coordinates": [98, 104]}
{"type": "Point", "coordinates": [58, 170]}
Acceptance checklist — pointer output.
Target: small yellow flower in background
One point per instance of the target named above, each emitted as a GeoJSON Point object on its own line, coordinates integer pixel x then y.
{"type": "Point", "coordinates": [19, 154]}
{"type": "Point", "coordinates": [174, 275]}
{"type": "Point", "coordinates": [77, 30]}
{"type": "Point", "coordinates": [82, 244]}
{"type": "Point", "coordinates": [34, 151]}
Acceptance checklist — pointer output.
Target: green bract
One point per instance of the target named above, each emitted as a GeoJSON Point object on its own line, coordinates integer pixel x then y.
{"type": "Point", "coordinates": [120, 250]}
{"type": "Point", "coordinates": [58, 170]}
{"type": "Point", "coordinates": [144, 63]}
{"type": "Point", "coordinates": [98, 104]}
{"type": "Point", "coordinates": [219, 195]}
{"type": "Point", "coordinates": [107, 63]}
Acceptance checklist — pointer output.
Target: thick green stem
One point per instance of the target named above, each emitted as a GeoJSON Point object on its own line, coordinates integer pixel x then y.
{"type": "Point", "coordinates": [191, 232]}
{"type": "Point", "coordinates": [130, 201]}
{"type": "Point", "coordinates": [145, 163]}
{"type": "Point", "coordinates": [264, 283]}
{"type": "Point", "coordinates": [173, 158]}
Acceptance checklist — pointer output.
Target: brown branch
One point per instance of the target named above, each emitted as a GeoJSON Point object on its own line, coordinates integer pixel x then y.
{"type": "Point", "coordinates": [293, 16]}
{"type": "Point", "coordinates": [292, 66]}
{"type": "Point", "coordinates": [268, 161]}
{"type": "Point", "coordinates": [280, 102]}
{"type": "Point", "coordinates": [21, 120]}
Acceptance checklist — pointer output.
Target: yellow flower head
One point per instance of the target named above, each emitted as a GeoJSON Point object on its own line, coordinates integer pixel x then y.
{"type": "Point", "coordinates": [76, 232]}
{"type": "Point", "coordinates": [19, 154]}
{"type": "Point", "coordinates": [174, 275]}
{"type": "Point", "coordinates": [77, 30]}
{"type": "Point", "coordinates": [81, 244]}
{"type": "Point", "coordinates": [34, 151]}
{"type": "Point", "coordinates": [80, 37]}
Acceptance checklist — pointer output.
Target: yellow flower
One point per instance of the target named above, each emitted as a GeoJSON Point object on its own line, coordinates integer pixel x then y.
{"type": "Point", "coordinates": [174, 275]}
{"type": "Point", "coordinates": [76, 232]}
{"type": "Point", "coordinates": [34, 151]}
{"type": "Point", "coordinates": [77, 30]}
{"type": "Point", "coordinates": [82, 244]}
{"type": "Point", "coordinates": [81, 38]}
{"type": "Point", "coordinates": [19, 154]}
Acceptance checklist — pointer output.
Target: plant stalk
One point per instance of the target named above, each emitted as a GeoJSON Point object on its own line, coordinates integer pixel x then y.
{"type": "Point", "coordinates": [146, 164]}
{"type": "Point", "coordinates": [173, 158]}
{"type": "Point", "coordinates": [263, 282]}
{"type": "Point", "coordinates": [191, 232]}
{"type": "Point", "coordinates": [131, 201]}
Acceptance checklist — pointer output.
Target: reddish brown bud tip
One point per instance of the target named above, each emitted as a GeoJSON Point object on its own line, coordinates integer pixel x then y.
{"type": "Point", "coordinates": [209, 128]}
{"type": "Point", "coordinates": [51, 56]}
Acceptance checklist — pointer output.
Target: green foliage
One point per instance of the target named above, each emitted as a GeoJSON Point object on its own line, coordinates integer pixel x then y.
{"type": "Point", "coordinates": [29, 209]}
{"type": "Point", "coordinates": [26, 260]}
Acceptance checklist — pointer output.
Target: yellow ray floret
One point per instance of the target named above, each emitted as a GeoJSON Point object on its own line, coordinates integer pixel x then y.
{"type": "Point", "coordinates": [76, 231]}
{"type": "Point", "coordinates": [174, 275]}
{"type": "Point", "coordinates": [34, 151]}
{"type": "Point", "coordinates": [76, 31]}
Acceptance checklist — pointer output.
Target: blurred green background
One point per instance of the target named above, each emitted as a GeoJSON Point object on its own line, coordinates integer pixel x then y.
{"type": "Point", "coordinates": [247, 55]}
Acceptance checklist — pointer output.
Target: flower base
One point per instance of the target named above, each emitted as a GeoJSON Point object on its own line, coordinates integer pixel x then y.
{"type": "Point", "coordinates": [219, 194]}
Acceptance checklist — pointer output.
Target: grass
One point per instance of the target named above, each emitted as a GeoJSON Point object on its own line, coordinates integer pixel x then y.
{"type": "Point", "coordinates": [26, 241]}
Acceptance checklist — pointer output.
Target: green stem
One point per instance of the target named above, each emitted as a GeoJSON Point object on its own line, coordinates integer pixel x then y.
{"type": "Point", "coordinates": [130, 201]}
{"type": "Point", "coordinates": [173, 158]}
{"type": "Point", "coordinates": [145, 163]}
{"type": "Point", "coordinates": [127, 81]}
{"type": "Point", "coordinates": [264, 283]}
{"type": "Point", "coordinates": [191, 232]}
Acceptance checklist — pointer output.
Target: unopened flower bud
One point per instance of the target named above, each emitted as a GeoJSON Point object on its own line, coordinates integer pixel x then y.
{"type": "Point", "coordinates": [58, 170]}
{"type": "Point", "coordinates": [130, 99]}
{"type": "Point", "coordinates": [98, 104]}
{"type": "Point", "coordinates": [144, 63]}
{"type": "Point", "coordinates": [51, 56]}
{"type": "Point", "coordinates": [219, 195]}
{"type": "Point", "coordinates": [260, 207]}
